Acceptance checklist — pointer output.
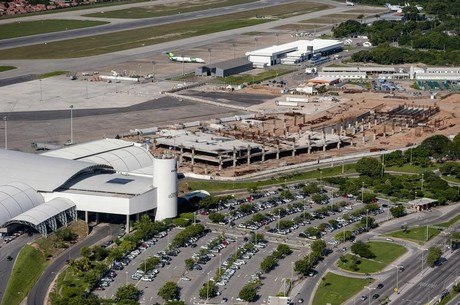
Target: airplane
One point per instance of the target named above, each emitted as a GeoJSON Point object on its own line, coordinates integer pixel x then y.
{"type": "Point", "coordinates": [349, 3]}
{"type": "Point", "coordinates": [394, 8]}
{"type": "Point", "coordinates": [183, 59]}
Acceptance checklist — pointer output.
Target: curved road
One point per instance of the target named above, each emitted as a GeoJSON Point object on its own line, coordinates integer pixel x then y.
{"type": "Point", "coordinates": [134, 24]}
{"type": "Point", "coordinates": [38, 293]}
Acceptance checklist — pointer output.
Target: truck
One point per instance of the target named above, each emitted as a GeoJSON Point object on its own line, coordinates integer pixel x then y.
{"type": "Point", "coordinates": [311, 70]}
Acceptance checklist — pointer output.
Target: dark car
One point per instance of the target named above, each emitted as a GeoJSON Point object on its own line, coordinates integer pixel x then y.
{"type": "Point", "coordinates": [376, 296]}
{"type": "Point", "coordinates": [9, 257]}
{"type": "Point", "coordinates": [380, 286]}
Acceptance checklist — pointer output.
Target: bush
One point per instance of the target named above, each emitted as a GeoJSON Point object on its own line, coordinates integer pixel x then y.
{"type": "Point", "coordinates": [361, 249]}
{"type": "Point", "coordinates": [181, 222]}
{"type": "Point", "coordinates": [248, 292]}
{"type": "Point", "coordinates": [398, 211]}
{"type": "Point", "coordinates": [216, 217]}
{"type": "Point", "coordinates": [369, 167]}
{"type": "Point", "coordinates": [434, 255]}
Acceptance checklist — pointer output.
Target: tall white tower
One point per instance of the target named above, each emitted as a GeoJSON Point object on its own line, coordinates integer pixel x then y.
{"type": "Point", "coordinates": [165, 180]}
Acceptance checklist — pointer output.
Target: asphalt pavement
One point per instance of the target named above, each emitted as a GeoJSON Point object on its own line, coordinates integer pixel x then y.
{"type": "Point", "coordinates": [134, 24]}
{"type": "Point", "coordinates": [11, 249]}
{"type": "Point", "coordinates": [39, 292]}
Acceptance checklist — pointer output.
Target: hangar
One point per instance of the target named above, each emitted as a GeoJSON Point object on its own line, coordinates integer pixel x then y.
{"type": "Point", "coordinates": [295, 51]}
{"type": "Point", "coordinates": [225, 68]}
{"type": "Point", "coordinates": [102, 177]}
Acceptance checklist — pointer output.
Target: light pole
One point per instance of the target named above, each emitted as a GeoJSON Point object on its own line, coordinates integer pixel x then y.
{"type": "Point", "coordinates": [41, 91]}
{"type": "Point", "coordinates": [71, 124]}
{"type": "Point", "coordinates": [5, 119]}
{"type": "Point", "coordinates": [153, 68]}
{"type": "Point", "coordinates": [369, 293]}
{"type": "Point", "coordinates": [397, 278]}
{"type": "Point", "coordinates": [182, 65]}
{"type": "Point", "coordinates": [277, 38]}
{"type": "Point", "coordinates": [362, 192]}
{"type": "Point", "coordinates": [140, 70]}
{"type": "Point", "coordinates": [233, 45]}
{"type": "Point", "coordinates": [422, 184]}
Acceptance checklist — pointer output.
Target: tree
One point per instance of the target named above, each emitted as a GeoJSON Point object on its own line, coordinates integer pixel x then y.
{"type": "Point", "coordinates": [362, 249]}
{"type": "Point", "coordinates": [369, 167]}
{"type": "Point", "coordinates": [65, 234]}
{"type": "Point", "coordinates": [209, 290]}
{"type": "Point", "coordinates": [268, 264]}
{"type": "Point", "coordinates": [347, 28]}
{"type": "Point", "coordinates": [189, 263]}
{"type": "Point", "coordinates": [216, 217]}
{"type": "Point", "coordinates": [284, 249]}
{"type": "Point", "coordinates": [169, 291]}
{"type": "Point", "coordinates": [398, 211]}
{"type": "Point", "coordinates": [344, 236]}
{"type": "Point", "coordinates": [318, 247]}
{"type": "Point", "coordinates": [311, 188]}
{"type": "Point", "coordinates": [368, 222]}
{"type": "Point", "coordinates": [303, 266]}
{"type": "Point", "coordinates": [175, 303]}
{"type": "Point", "coordinates": [319, 198]}
{"type": "Point", "coordinates": [181, 222]}
{"type": "Point", "coordinates": [127, 293]}
{"type": "Point", "coordinates": [436, 146]}
{"type": "Point", "coordinates": [369, 197]}
{"type": "Point", "coordinates": [248, 292]}
{"type": "Point", "coordinates": [434, 255]}
{"type": "Point", "coordinates": [85, 252]}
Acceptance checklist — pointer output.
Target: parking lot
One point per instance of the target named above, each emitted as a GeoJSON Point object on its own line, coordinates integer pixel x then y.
{"type": "Point", "coordinates": [216, 248]}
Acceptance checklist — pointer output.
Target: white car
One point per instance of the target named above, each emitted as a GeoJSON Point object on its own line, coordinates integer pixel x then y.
{"type": "Point", "coordinates": [185, 278]}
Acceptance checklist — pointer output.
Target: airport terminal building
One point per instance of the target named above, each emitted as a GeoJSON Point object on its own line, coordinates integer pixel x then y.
{"type": "Point", "coordinates": [110, 177]}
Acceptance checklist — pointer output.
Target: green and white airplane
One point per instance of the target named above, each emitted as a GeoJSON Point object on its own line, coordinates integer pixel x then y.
{"type": "Point", "coordinates": [183, 59]}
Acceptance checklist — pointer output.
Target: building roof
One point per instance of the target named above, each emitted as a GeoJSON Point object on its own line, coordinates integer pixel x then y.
{"type": "Point", "coordinates": [110, 183]}
{"type": "Point", "coordinates": [202, 141]}
{"type": "Point", "coordinates": [17, 198]}
{"type": "Point", "coordinates": [298, 45]}
{"type": "Point", "coordinates": [334, 74]}
{"type": "Point", "coordinates": [359, 69]}
{"type": "Point", "coordinates": [422, 201]}
{"type": "Point", "coordinates": [233, 63]}
{"type": "Point", "coordinates": [42, 173]}
{"type": "Point", "coordinates": [443, 70]}
{"type": "Point", "coordinates": [43, 212]}
{"type": "Point", "coordinates": [121, 155]}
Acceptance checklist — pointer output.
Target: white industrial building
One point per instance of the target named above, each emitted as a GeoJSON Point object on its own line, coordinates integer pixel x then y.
{"type": "Point", "coordinates": [343, 75]}
{"type": "Point", "coordinates": [435, 73]}
{"type": "Point", "coordinates": [368, 69]}
{"type": "Point", "coordinates": [293, 52]}
{"type": "Point", "coordinates": [106, 176]}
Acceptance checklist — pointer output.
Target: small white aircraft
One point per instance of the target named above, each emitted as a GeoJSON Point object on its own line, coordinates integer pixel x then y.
{"type": "Point", "coordinates": [394, 8]}
{"type": "Point", "coordinates": [349, 3]}
{"type": "Point", "coordinates": [183, 59]}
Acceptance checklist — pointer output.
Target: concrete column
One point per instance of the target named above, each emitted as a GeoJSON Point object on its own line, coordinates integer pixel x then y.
{"type": "Point", "coordinates": [263, 127]}
{"type": "Point", "coordinates": [234, 156]}
{"type": "Point", "coordinates": [193, 155]}
{"type": "Point", "coordinates": [338, 144]}
{"type": "Point", "coordinates": [369, 125]}
{"type": "Point", "coordinates": [341, 130]}
{"type": "Point", "coordinates": [384, 131]}
{"type": "Point", "coordinates": [277, 151]}
{"type": "Point", "coordinates": [86, 217]}
{"type": "Point", "coordinates": [375, 122]}
{"type": "Point", "coordinates": [137, 216]}
{"type": "Point", "coordinates": [263, 154]}
{"type": "Point", "coordinates": [375, 135]}
{"type": "Point", "coordinates": [127, 224]}
{"type": "Point", "coordinates": [324, 147]}
{"type": "Point", "coordinates": [249, 154]}
{"type": "Point", "coordinates": [220, 162]}
{"type": "Point", "coordinates": [353, 130]}
{"type": "Point", "coordinates": [364, 137]}
{"type": "Point", "coordinates": [97, 217]}
{"type": "Point", "coordinates": [309, 144]}
{"type": "Point", "coordinates": [295, 120]}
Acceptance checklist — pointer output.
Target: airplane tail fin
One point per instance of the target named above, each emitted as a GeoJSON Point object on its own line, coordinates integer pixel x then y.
{"type": "Point", "coordinates": [169, 54]}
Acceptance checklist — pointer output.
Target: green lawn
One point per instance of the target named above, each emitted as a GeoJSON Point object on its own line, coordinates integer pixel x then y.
{"type": "Point", "coordinates": [407, 168]}
{"type": "Point", "coordinates": [67, 283]}
{"type": "Point", "coordinates": [216, 186]}
{"type": "Point", "coordinates": [124, 40]}
{"type": "Point", "coordinates": [28, 267]}
{"type": "Point", "coordinates": [6, 68]}
{"type": "Point", "coordinates": [449, 222]}
{"type": "Point", "coordinates": [336, 289]}
{"type": "Point", "coordinates": [417, 234]}
{"type": "Point", "coordinates": [19, 29]}
{"type": "Point", "coordinates": [51, 74]}
{"type": "Point", "coordinates": [165, 10]}
{"type": "Point", "coordinates": [247, 78]}
{"type": "Point", "coordinates": [385, 254]}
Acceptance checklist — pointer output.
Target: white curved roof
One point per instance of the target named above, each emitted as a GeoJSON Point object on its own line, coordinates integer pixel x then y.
{"type": "Point", "coordinates": [40, 172]}
{"type": "Point", "coordinates": [17, 198]}
{"type": "Point", "coordinates": [121, 155]}
{"type": "Point", "coordinates": [127, 159]}
{"type": "Point", "coordinates": [44, 211]}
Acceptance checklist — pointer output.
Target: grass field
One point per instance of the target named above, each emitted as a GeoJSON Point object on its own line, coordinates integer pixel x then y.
{"type": "Point", "coordinates": [19, 29]}
{"type": "Point", "coordinates": [67, 283]}
{"type": "Point", "coordinates": [336, 289]}
{"type": "Point", "coordinates": [246, 78]}
{"type": "Point", "coordinates": [6, 68]}
{"type": "Point", "coordinates": [51, 74]}
{"type": "Point", "coordinates": [216, 186]}
{"type": "Point", "coordinates": [417, 234]}
{"type": "Point", "coordinates": [29, 264]}
{"type": "Point", "coordinates": [408, 168]}
{"type": "Point", "coordinates": [295, 27]}
{"type": "Point", "coordinates": [106, 43]}
{"type": "Point", "coordinates": [385, 254]}
{"type": "Point", "coordinates": [165, 10]}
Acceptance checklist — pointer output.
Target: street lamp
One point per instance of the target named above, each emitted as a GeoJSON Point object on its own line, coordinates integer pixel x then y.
{"type": "Point", "coordinates": [369, 293]}
{"type": "Point", "coordinates": [5, 119]}
{"type": "Point", "coordinates": [153, 68]}
{"type": "Point", "coordinates": [71, 124]}
{"type": "Point", "coordinates": [362, 192]}
{"type": "Point", "coordinates": [140, 70]}
{"type": "Point", "coordinates": [397, 278]}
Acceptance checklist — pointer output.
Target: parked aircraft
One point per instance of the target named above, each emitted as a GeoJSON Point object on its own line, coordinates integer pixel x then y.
{"type": "Point", "coordinates": [349, 3]}
{"type": "Point", "coordinates": [172, 57]}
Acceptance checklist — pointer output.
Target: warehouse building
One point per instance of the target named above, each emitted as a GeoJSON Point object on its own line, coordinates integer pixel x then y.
{"type": "Point", "coordinates": [111, 177]}
{"type": "Point", "coordinates": [343, 75]}
{"type": "Point", "coordinates": [436, 73]}
{"type": "Point", "coordinates": [225, 68]}
{"type": "Point", "coordinates": [367, 70]}
{"type": "Point", "coordinates": [293, 52]}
